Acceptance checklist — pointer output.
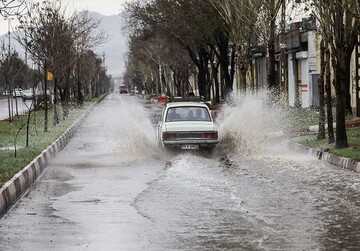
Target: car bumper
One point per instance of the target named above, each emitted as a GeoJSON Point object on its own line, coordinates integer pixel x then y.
{"type": "Point", "coordinates": [207, 143]}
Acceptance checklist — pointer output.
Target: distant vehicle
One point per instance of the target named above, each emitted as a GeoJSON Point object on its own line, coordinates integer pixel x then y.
{"type": "Point", "coordinates": [28, 95]}
{"type": "Point", "coordinates": [186, 125]}
{"type": "Point", "coordinates": [17, 92]}
{"type": "Point", "coordinates": [123, 89]}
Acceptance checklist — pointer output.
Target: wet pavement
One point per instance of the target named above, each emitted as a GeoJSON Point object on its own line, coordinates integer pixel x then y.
{"type": "Point", "coordinates": [18, 106]}
{"type": "Point", "coordinates": [111, 188]}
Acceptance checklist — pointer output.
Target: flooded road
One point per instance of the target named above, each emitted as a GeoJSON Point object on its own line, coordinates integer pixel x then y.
{"type": "Point", "coordinates": [111, 188]}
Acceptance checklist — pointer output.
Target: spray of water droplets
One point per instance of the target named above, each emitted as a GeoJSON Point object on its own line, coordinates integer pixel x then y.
{"type": "Point", "coordinates": [136, 140]}
{"type": "Point", "coordinates": [246, 121]}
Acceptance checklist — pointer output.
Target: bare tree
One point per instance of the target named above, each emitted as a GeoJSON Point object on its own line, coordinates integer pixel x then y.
{"type": "Point", "coordinates": [57, 42]}
{"type": "Point", "coordinates": [88, 72]}
{"type": "Point", "coordinates": [241, 19]}
{"type": "Point", "coordinates": [13, 73]}
{"type": "Point", "coordinates": [267, 22]}
{"type": "Point", "coordinates": [339, 27]}
{"type": "Point", "coordinates": [11, 7]}
{"type": "Point", "coordinates": [195, 26]}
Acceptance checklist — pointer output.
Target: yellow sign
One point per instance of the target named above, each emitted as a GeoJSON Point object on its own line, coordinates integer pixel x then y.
{"type": "Point", "coordinates": [50, 76]}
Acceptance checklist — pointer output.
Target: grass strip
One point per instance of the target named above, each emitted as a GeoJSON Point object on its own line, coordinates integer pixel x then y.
{"type": "Point", "coordinates": [13, 138]}
{"type": "Point", "coordinates": [353, 151]}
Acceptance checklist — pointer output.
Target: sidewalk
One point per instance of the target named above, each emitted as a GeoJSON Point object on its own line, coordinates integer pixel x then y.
{"type": "Point", "coordinates": [324, 154]}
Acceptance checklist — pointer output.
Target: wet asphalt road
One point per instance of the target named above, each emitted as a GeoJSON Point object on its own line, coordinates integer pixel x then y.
{"type": "Point", "coordinates": [112, 189]}
{"type": "Point", "coordinates": [17, 106]}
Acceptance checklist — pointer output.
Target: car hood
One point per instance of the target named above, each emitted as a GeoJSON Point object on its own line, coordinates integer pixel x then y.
{"type": "Point", "coordinates": [190, 126]}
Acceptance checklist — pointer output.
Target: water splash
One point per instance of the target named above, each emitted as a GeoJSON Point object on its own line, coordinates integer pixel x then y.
{"type": "Point", "coordinates": [112, 137]}
{"type": "Point", "coordinates": [247, 121]}
{"type": "Point", "coordinates": [135, 132]}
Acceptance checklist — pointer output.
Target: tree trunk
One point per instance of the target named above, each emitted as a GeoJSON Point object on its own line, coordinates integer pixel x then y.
{"type": "Point", "coordinates": [340, 86]}
{"type": "Point", "coordinates": [224, 66]}
{"type": "Point", "coordinates": [252, 78]}
{"type": "Point", "coordinates": [201, 81]}
{"type": "Point", "coordinates": [348, 53]}
{"type": "Point", "coordinates": [321, 132]}
{"type": "Point", "coordinates": [80, 96]}
{"type": "Point", "coordinates": [341, 137]}
{"type": "Point", "coordinates": [339, 45]}
{"type": "Point", "coordinates": [271, 74]}
{"type": "Point", "coordinates": [330, 118]}
{"type": "Point", "coordinates": [56, 101]}
{"type": "Point", "coordinates": [232, 69]}
{"type": "Point", "coordinates": [297, 102]}
{"type": "Point", "coordinates": [243, 71]}
{"type": "Point", "coordinates": [226, 62]}
{"type": "Point", "coordinates": [79, 86]}
{"type": "Point", "coordinates": [28, 125]}
{"type": "Point", "coordinates": [45, 98]}
{"type": "Point", "coordinates": [203, 72]}
{"type": "Point", "coordinates": [66, 92]}
{"type": "Point", "coordinates": [9, 105]}
{"type": "Point", "coordinates": [216, 82]}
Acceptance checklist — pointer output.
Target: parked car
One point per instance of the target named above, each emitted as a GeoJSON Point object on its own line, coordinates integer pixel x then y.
{"type": "Point", "coordinates": [17, 92]}
{"type": "Point", "coordinates": [28, 95]}
{"type": "Point", "coordinates": [186, 124]}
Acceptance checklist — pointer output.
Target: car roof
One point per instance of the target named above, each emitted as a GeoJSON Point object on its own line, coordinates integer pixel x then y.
{"type": "Point", "coordinates": [182, 104]}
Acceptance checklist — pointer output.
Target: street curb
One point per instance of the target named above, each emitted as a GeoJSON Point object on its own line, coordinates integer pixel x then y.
{"type": "Point", "coordinates": [342, 162]}
{"type": "Point", "coordinates": [13, 189]}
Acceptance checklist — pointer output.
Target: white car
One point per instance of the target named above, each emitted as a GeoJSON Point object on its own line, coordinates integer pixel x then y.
{"type": "Point", "coordinates": [17, 92]}
{"type": "Point", "coordinates": [186, 125]}
{"type": "Point", "coordinates": [28, 95]}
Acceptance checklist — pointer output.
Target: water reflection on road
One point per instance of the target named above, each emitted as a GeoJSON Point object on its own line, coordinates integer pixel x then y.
{"type": "Point", "coordinates": [253, 204]}
{"type": "Point", "coordinates": [113, 189]}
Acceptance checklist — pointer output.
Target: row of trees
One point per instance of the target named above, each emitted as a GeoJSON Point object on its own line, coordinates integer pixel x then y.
{"type": "Point", "coordinates": [61, 45]}
{"type": "Point", "coordinates": [172, 40]}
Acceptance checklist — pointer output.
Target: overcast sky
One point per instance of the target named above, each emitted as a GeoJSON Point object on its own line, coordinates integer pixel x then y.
{"type": "Point", "coordinates": [105, 7]}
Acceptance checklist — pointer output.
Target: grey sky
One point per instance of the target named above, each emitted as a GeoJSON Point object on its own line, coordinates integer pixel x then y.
{"type": "Point", "coordinates": [105, 7]}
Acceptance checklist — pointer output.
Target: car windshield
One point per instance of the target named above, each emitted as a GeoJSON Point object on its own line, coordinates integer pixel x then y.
{"type": "Point", "coordinates": [187, 113]}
